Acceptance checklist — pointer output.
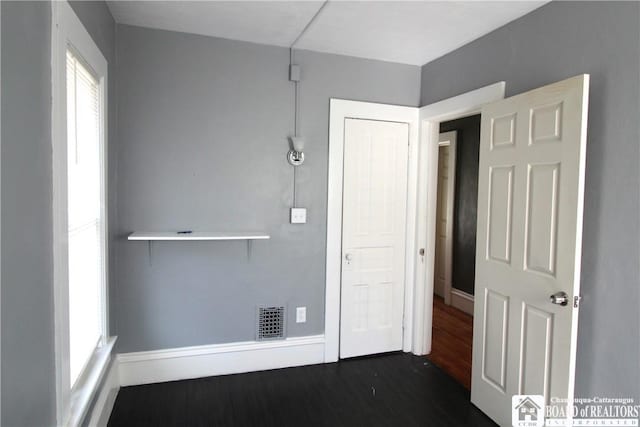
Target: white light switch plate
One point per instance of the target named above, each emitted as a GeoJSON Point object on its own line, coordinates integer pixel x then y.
{"type": "Point", "coordinates": [301, 314]}
{"type": "Point", "coordinates": [298, 215]}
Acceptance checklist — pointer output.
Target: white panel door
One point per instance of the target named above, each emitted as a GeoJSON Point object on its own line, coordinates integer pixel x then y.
{"type": "Point", "coordinates": [530, 201]}
{"type": "Point", "coordinates": [373, 236]}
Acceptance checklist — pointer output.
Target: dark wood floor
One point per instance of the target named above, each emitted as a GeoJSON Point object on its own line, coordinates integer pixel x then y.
{"type": "Point", "coordinates": [386, 390]}
{"type": "Point", "coordinates": [451, 341]}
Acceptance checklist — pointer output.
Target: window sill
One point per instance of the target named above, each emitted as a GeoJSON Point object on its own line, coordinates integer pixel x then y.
{"type": "Point", "coordinates": [87, 385]}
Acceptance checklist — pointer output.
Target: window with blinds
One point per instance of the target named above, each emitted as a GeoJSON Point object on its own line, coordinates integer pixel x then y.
{"type": "Point", "coordinates": [85, 222]}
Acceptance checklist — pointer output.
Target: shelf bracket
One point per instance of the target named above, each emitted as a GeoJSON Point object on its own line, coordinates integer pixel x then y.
{"type": "Point", "coordinates": [249, 249]}
{"type": "Point", "coordinates": [150, 250]}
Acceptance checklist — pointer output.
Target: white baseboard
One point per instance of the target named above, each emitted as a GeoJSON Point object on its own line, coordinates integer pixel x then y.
{"type": "Point", "coordinates": [462, 301]}
{"type": "Point", "coordinates": [106, 397]}
{"type": "Point", "coordinates": [219, 359]}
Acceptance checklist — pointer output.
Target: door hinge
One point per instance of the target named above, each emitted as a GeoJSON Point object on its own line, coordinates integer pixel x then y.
{"type": "Point", "coordinates": [576, 301]}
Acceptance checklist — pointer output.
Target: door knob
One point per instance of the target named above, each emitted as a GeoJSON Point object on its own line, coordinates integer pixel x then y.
{"type": "Point", "coordinates": [560, 298]}
{"type": "Point", "coordinates": [348, 257]}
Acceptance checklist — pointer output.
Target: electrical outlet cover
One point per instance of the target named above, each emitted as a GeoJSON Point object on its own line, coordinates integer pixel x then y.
{"type": "Point", "coordinates": [301, 314]}
{"type": "Point", "coordinates": [298, 215]}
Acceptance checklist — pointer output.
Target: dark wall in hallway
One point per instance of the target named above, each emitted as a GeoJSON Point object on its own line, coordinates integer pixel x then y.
{"type": "Point", "coordinates": [465, 209]}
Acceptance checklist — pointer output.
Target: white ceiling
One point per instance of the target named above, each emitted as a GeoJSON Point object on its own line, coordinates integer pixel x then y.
{"type": "Point", "coordinates": [409, 32]}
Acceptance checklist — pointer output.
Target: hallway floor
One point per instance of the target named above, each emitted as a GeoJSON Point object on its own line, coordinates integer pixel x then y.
{"type": "Point", "coordinates": [451, 343]}
{"type": "Point", "coordinates": [386, 390]}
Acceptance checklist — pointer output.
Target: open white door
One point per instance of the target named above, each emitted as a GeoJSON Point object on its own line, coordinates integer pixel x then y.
{"type": "Point", "coordinates": [373, 236]}
{"type": "Point", "coordinates": [530, 202]}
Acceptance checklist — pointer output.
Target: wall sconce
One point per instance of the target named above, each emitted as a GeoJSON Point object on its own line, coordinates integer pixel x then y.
{"type": "Point", "coordinates": [295, 155]}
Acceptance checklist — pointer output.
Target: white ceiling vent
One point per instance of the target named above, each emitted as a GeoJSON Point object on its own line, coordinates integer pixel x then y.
{"type": "Point", "coordinates": [270, 323]}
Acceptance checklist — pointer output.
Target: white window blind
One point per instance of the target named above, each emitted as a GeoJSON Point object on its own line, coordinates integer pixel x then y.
{"type": "Point", "coordinates": [84, 192]}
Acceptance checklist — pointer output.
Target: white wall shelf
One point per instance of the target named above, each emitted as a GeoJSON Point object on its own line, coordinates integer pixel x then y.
{"type": "Point", "coordinates": [197, 235]}
{"type": "Point", "coordinates": [157, 236]}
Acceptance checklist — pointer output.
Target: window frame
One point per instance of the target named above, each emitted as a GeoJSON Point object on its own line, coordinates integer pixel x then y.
{"type": "Point", "coordinates": [67, 32]}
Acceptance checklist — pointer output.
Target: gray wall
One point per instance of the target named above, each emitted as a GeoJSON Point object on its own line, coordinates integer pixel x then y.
{"type": "Point", "coordinates": [28, 372]}
{"type": "Point", "coordinates": [28, 386]}
{"type": "Point", "coordinates": [202, 145]}
{"type": "Point", "coordinates": [557, 41]}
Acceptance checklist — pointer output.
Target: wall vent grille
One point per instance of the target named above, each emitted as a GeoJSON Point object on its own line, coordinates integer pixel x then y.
{"type": "Point", "coordinates": [271, 321]}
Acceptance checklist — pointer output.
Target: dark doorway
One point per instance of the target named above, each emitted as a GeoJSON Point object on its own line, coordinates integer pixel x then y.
{"type": "Point", "coordinates": [452, 334]}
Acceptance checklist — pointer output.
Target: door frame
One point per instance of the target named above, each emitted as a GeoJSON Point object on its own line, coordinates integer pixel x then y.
{"type": "Point", "coordinates": [448, 139]}
{"type": "Point", "coordinates": [431, 116]}
{"type": "Point", "coordinates": [424, 130]}
{"type": "Point", "coordinates": [339, 110]}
